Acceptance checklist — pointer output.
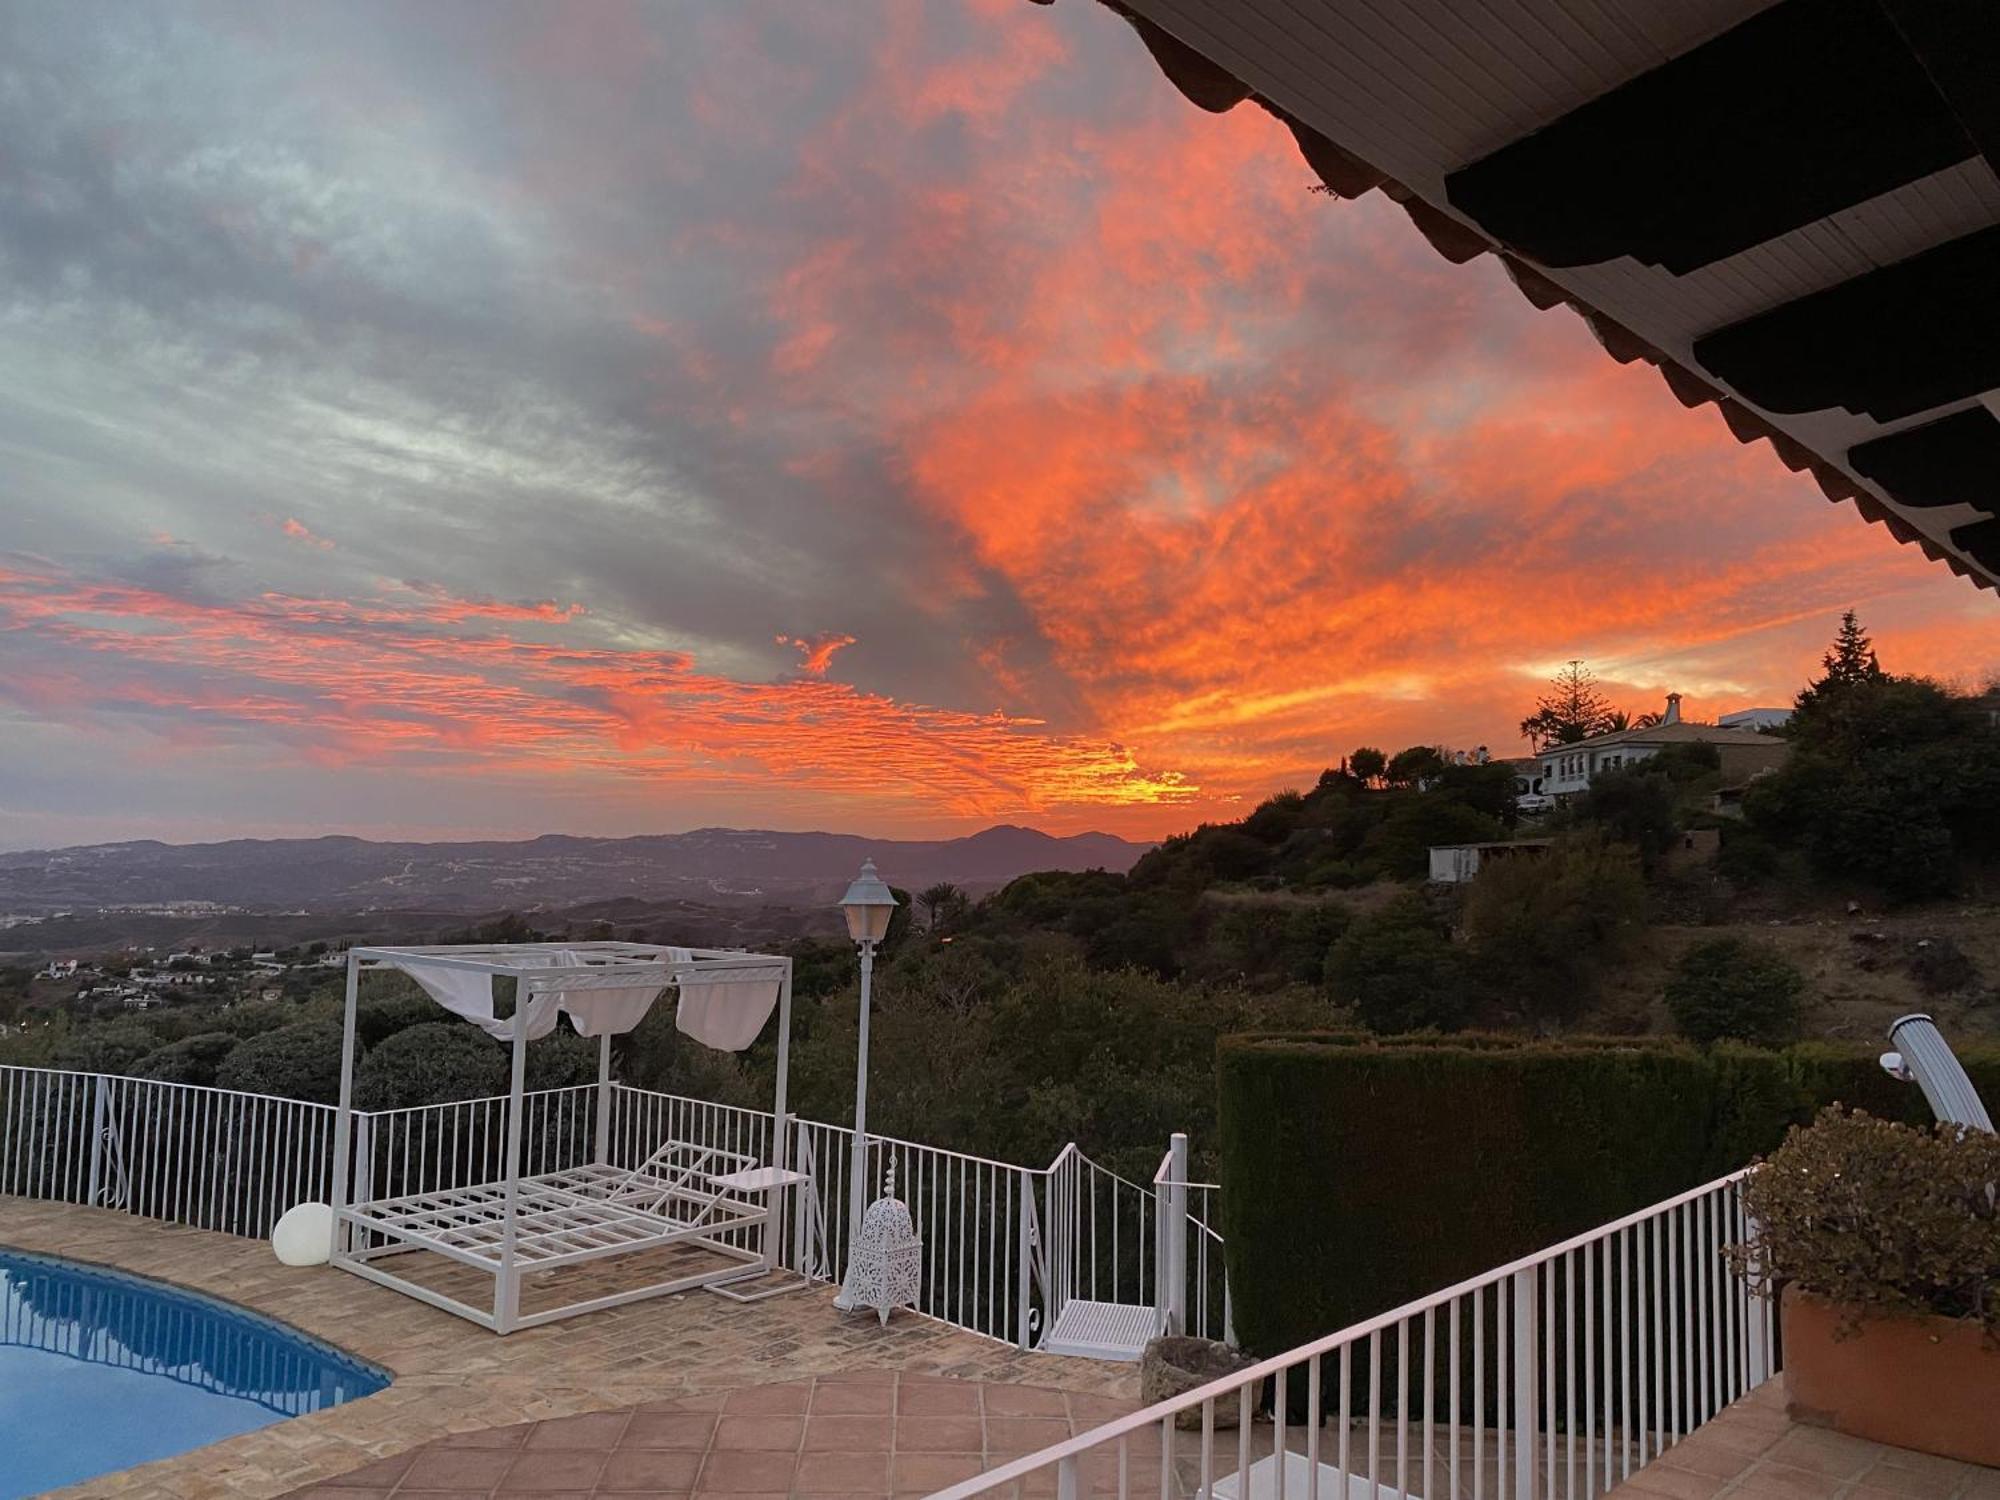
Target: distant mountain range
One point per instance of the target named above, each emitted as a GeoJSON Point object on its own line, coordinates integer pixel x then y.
{"type": "Point", "coordinates": [712, 865]}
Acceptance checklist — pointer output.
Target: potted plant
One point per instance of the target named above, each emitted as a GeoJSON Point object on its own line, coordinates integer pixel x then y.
{"type": "Point", "coordinates": [1886, 1242]}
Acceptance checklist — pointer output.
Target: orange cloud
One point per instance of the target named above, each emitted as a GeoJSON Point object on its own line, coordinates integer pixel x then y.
{"type": "Point", "coordinates": [422, 683]}
{"type": "Point", "coordinates": [816, 652]}
{"type": "Point", "coordinates": [442, 604]}
{"type": "Point", "coordinates": [1266, 475]}
{"type": "Point", "coordinates": [298, 531]}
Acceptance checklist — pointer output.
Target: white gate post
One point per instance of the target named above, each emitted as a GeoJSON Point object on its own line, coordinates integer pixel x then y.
{"type": "Point", "coordinates": [1756, 1316]}
{"type": "Point", "coordinates": [1527, 1394]}
{"type": "Point", "coordinates": [507, 1285]}
{"type": "Point", "coordinates": [602, 1155]}
{"type": "Point", "coordinates": [1024, 1253]}
{"type": "Point", "coordinates": [364, 1158]}
{"type": "Point", "coordinates": [97, 1111]}
{"type": "Point", "coordinates": [1176, 1211]}
{"type": "Point", "coordinates": [805, 1197]}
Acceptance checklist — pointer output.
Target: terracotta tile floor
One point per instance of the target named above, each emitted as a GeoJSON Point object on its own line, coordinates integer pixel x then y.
{"type": "Point", "coordinates": [452, 1377]}
{"type": "Point", "coordinates": [861, 1435]}
{"type": "Point", "coordinates": [694, 1396]}
{"type": "Point", "coordinates": [1752, 1451]}
{"type": "Point", "coordinates": [871, 1435]}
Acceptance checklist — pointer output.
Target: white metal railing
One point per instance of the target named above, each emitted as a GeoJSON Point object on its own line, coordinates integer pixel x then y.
{"type": "Point", "coordinates": [1552, 1378]}
{"type": "Point", "coordinates": [1191, 1293]}
{"type": "Point", "coordinates": [212, 1158]}
{"type": "Point", "coordinates": [423, 1148]}
{"type": "Point", "coordinates": [1006, 1247]}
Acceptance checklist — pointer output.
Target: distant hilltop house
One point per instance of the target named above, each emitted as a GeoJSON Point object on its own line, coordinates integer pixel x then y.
{"type": "Point", "coordinates": [1568, 769]}
{"type": "Point", "coordinates": [1755, 718]}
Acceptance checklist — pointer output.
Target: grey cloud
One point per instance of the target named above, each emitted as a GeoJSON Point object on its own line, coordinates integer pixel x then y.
{"type": "Point", "coordinates": [380, 270]}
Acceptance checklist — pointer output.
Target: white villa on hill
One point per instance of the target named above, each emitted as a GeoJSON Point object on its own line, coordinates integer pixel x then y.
{"type": "Point", "coordinates": [1568, 769]}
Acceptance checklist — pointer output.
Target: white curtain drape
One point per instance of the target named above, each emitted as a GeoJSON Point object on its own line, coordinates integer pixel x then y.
{"type": "Point", "coordinates": [724, 1015]}
{"type": "Point", "coordinates": [721, 1014]}
{"type": "Point", "coordinates": [468, 993]}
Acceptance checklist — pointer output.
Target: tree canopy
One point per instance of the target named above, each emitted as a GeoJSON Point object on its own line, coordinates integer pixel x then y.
{"type": "Point", "coordinates": [1571, 710]}
{"type": "Point", "coordinates": [1894, 781]}
{"type": "Point", "coordinates": [1849, 660]}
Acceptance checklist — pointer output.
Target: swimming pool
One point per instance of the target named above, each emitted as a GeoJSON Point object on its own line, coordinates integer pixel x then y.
{"type": "Point", "coordinates": [100, 1371]}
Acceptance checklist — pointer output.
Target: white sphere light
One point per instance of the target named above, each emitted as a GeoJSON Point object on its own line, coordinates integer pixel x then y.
{"type": "Point", "coordinates": [304, 1235]}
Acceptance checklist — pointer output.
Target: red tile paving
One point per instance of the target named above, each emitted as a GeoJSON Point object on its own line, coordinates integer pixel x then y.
{"type": "Point", "coordinates": [860, 1436]}
{"type": "Point", "coordinates": [1752, 1451]}
{"type": "Point", "coordinates": [883, 1436]}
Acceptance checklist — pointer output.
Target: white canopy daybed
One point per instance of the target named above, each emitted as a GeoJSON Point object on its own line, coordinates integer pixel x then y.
{"type": "Point", "coordinates": [475, 1207]}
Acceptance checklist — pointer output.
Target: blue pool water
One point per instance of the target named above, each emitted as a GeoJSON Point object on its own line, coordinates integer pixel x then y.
{"type": "Point", "coordinates": [100, 1371]}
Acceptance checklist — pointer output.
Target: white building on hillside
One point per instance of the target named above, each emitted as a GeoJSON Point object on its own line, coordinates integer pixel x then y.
{"type": "Point", "coordinates": [1568, 769]}
{"type": "Point", "coordinates": [1755, 718]}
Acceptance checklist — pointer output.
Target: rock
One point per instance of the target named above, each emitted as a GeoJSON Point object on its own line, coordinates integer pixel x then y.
{"type": "Point", "coordinates": [1174, 1365]}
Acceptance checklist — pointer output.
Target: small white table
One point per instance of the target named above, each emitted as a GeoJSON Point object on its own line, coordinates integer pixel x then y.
{"type": "Point", "coordinates": [772, 1182]}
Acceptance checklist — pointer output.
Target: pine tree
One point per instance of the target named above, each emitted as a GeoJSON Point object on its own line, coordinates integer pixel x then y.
{"type": "Point", "coordinates": [1851, 658]}
{"type": "Point", "coordinates": [1571, 710]}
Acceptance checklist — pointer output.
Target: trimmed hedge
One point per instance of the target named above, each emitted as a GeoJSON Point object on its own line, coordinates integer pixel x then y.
{"type": "Point", "coordinates": [1361, 1173]}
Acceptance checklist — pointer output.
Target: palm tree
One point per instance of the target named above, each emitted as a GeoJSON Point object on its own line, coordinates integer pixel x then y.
{"type": "Point", "coordinates": [940, 903]}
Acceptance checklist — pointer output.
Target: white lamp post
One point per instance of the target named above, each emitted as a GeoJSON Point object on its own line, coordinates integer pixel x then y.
{"type": "Point", "coordinates": [868, 905]}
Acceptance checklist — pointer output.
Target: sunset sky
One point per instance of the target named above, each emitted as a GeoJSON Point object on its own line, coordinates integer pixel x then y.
{"type": "Point", "coordinates": [473, 419]}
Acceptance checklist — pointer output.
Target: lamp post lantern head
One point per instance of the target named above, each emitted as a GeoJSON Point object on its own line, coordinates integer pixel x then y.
{"type": "Point", "coordinates": [868, 905]}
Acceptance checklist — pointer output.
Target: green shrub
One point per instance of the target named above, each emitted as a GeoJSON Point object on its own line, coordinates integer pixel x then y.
{"type": "Point", "coordinates": [1398, 970]}
{"type": "Point", "coordinates": [192, 1059]}
{"type": "Point", "coordinates": [300, 1061]}
{"type": "Point", "coordinates": [561, 1060]}
{"type": "Point", "coordinates": [1540, 926]}
{"type": "Point", "coordinates": [433, 1063]}
{"type": "Point", "coordinates": [250, 1018]}
{"type": "Point", "coordinates": [1358, 1173]}
{"type": "Point", "coordinates": [1746, 856]}
{"type": "Point", "coordinates": [109, 1048]}
{"type": "Point", "coordinates": [1734, 989]}
{"type": "Point", "coordinates": [1881, 1218]}
{"type": "Point", "coordinates": [1275, 819]}
{"type": "Point", "coordinates": [1940, 966]}
{"type": "Point", "coordinates": [1400, 844]}
{"type": "Point", "coordinates": [379, 1016]}
{"type": "Point", "coordinates": [1687, 763]}
{"type": "Point", "coordinates": [1891, 780]}
{"type": "Point", "coordinates": [1637, 805]}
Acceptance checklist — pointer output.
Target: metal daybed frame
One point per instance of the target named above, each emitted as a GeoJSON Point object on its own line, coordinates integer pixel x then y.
{"type": "Point", "coordinates": [683, 1193]}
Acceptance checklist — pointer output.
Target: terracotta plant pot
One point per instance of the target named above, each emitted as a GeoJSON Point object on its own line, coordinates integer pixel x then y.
{"type": "Point", "coordinates": [1932, 1384]}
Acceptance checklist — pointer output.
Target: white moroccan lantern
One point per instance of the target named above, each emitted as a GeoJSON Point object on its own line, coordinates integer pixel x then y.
{"type": "Point", "coordinates": [886, 1268]}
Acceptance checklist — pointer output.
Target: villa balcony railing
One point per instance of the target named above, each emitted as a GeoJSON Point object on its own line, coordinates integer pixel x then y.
{"type": "Point", "coordinates": [1008, 1250]}
{"type": "Point", "coordinates": [210, 1158]}
{"type": "Point", "coordinates": [1553, 1378]}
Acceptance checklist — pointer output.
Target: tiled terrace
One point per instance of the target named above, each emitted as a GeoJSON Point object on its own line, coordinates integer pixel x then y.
{"type": "Point", "coordinates": [1752, 1451]}
{"type": "Point", "coordinates": [858, 1435]}
{"type": "Point", "coordinates": [695, 1396]}
{"type": "Point", "coordinates": [453, 1377]}
{"type": "Point", "coordinates": [870, 1434]}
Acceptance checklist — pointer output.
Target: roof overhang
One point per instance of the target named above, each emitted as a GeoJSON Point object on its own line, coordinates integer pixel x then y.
{"type": "Point", "coordinates": [1791, 210]}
